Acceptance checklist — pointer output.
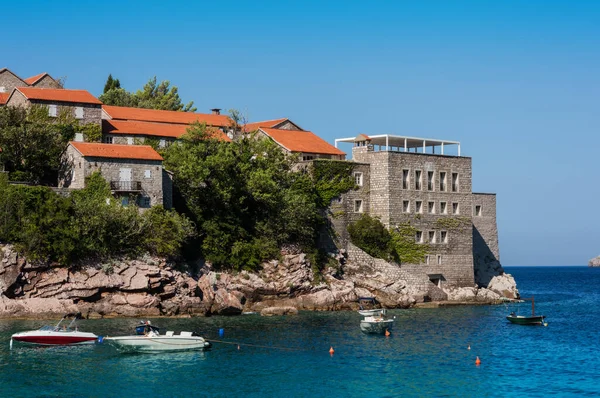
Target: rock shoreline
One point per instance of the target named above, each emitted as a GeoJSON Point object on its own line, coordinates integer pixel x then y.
{"type": "Point", "coordinates": [152, 287]}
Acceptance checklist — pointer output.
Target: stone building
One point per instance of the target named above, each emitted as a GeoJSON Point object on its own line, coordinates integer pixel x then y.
{"type": "Point", "coordinates": [407, 180]}
{"type": "Point", "coordinates": [135, 173]}
{"type": "Point", "coordinates": [129, 126]}
{"type": "Point", "coordinates": [9, 81]}
{"type": "Point", "coordinates": [81, 104]}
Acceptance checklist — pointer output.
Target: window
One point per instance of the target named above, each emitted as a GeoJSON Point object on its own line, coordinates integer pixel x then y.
{"type": "Point", "coordinates": [443, 208]}
{"type": "Point", "coordinates": [442, 181]}
{"type": "Point", "coordinates": [419, 237]}
{"type": "Point", "coordinates": [431, 207]}
{"type": "Point", "coordinates": [430, 181]}
{"type": "Point", "coordinates": [308, 157]}
{"type": "Point", "coordinates": [418, 180]}
{"type": "Point", "coordinates": [144, 201]}
{"type": "Point", "coordinates": [443, 237]}
{"type": "Point", "coordinates": [454, 208]}
{"type": "Point", "coordinates": [129, 140]}
{"type": "Point", "coordinates": [2, 89]}
{"type": "Point", "coordinates": [454, 182]}
{"type": "Point", "coordinates": [405, 180]}
{"type": "Point", "coordinates": [431, 236]}
{"type": "Point", "coordinates": [478, 210]}
{"type": "Point", "coordinates": [52, 110]}
{"type": "Point", "coordinates": [439, 259]}
{"type": "Point", "coordinates": [79, 137]}
{"type": "Point", "coordinates": [125, 201]}
{"type": "Point", "coordinates": [427, 260]}
{"type": "Point", "coordinates": [148, 174]}
{"type": "Point", "coordinates": [78, 112]}
{"type": "Point", "coordinates": [358, 179]}
{"type": "Point", "coordinates": [358, 206]}
{"type": "Point", "coordinates": [162, 143]}
{"type": "Point", "coordinates": [107, 140]}
{"type": "Point", "coordinates": [406, 206]}
{"type": "Point", "coordinates": [418, 206]}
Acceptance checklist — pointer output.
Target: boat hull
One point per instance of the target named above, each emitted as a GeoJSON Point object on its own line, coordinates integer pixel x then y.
{"type": "Point", "coordinates": [376, 327]}
{"type": "Point", "coordinates": [526, 320]}
{"type": "Point", "coordinates": [55, 338]}
{"type": "Point", "coordinates": [157, 343]}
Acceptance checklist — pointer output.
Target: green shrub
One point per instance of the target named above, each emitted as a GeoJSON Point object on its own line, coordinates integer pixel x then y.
{"type": "Point", "coordinates": [369, 234]}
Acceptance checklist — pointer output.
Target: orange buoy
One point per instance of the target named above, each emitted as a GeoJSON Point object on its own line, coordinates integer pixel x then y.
{"type": "Point", "coordinates": [478, 361]}
{"type": "Point", "coordinates": [387, 332]}
{"type": "Point", "coordinates": [331, 351]}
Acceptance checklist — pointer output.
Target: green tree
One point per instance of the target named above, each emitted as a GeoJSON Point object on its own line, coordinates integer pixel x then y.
{"type": "Point", "coordinates": [371, 235]}
{"type": "Point", "coordinates": [111, 84]}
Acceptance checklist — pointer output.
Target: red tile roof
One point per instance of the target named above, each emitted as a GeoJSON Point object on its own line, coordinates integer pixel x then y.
{"type": "Point", "coordinates": [153, 129]}
{"type": "Point", "coordinates": [301, 141]}
{"type": "Point", "coordinates": [114, 151]}
{"type": "Point", "coordinates": [58, 95]}
{"type": "Point", "coordinates": [267, 123]}
{"type": "Point", "coordinates": [4, 98]}
{"type": "Point", "coordinates": [31, 80]}
{"type": "Point", "coordinates": [153, 115]}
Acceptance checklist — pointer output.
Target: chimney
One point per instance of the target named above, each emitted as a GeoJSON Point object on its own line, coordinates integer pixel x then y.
{"type": "Point", "coordinates": [216, 111]}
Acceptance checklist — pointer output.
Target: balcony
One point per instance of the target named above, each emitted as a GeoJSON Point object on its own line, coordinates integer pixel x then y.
{"type": "Point", "coordinates": [126, 186]}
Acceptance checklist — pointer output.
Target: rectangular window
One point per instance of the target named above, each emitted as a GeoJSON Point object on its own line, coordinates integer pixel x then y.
{"type": "Point", "coordinates": [125, 201]}
{"type": "Point", "coordinates": [78, 112]}
{"type": "Point", "coordinates": [405, 180]}
{"type": "Point", "coordinates": [430, 181]}
{"type": "Point", "coordinates": [358, 179]}
{"type": "Point", "coordinates": [52, 110]}
{"type": "Point", "coordinates": [107, 140]}
{"type": "Point", "coordinates": [454, 182]}
{"type": "Point", "coordinates": [443, 237]}
{"type": "Point", "coordinates": [418, 206]}
{"type": "Point", "coordinates": [129, 140]}
{"type": "Point", "coordinates": [78, 137]}
{"type": "Point", "coordinates": [431, 207]}
{"type": "Point", "coordinates": [443, 208]}
{"type": "Point", "coordinates": [454, 208]}
{"type": "Point", "coordinates": [431, 236]}
{"type": "Point", "coordinates": [418, 180]}
{"type": "Point", "coordinates": [478, 210]}
{"type": "Point", "coordinates": [144, 201]}
{"type": "Point", "coordinates": [419, 237]}
{"type": "Point", "coordinates": [358, 206]}
{"type": "Point", "coordinates": [427, 260]}
{"type": "Point", "coordinates": [406, 206]}
{"type": "Point", "coordinates": [442, 181]}
{"type": "Point", "coordinates": [439, 259]}
{"type": "Point", "coordinates": [162, 143]}
{"type": "Point", "coordinates": [2, 89]}
{"type": "Point", "coordinates": [147, 173]}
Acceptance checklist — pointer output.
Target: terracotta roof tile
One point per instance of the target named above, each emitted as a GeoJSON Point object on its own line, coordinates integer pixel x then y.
{"type": "Point", "coordinates": [3, 98]}
{"type": "Point", "coordinates": [114, 151]}
{"type": "Point", "coordinates": [266, 123]}
{"type": "Point", "coordinates": [160, 116]}
{"type": "Point", "coordinates": [153, 129]}
{"type": "Point", "coordinates": [58, 95]}
{"type": "Point", "coordinates": [301, 141]}
{"type": "Point", "coordinates": [31, 80]}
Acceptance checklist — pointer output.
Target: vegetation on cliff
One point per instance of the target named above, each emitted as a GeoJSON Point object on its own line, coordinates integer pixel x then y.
{"type": "Point", "coordinates": [394, 244]}
{"type": "Point", "coordinates": [90, 223]}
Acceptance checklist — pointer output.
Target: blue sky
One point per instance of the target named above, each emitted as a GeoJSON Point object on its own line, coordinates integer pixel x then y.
{"type": "Point", "coordinates": [517, 82]}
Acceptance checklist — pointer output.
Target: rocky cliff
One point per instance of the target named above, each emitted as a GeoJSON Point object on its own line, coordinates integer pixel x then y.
{"type": "Point", "coordinates": [150, 286]}
{"type": "Point", "coordinates": [594, 262]}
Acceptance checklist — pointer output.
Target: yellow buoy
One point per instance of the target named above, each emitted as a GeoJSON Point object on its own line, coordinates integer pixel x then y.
{"type": "Point", "coordinates": [478, 361]}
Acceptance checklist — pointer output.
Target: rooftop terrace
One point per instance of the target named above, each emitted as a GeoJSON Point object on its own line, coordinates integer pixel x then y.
{"type": "Point", "coordinates": [399, 143]}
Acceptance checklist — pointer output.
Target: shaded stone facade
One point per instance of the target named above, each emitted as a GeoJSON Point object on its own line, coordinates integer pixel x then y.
{"type": "Point", "coordinates": [8, 81]}
{"type": "Point", "coordinates": [149, 174]}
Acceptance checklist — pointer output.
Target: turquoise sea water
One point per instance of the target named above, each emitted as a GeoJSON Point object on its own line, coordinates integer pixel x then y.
{"type": "Point", "coordinates": [426, 355]}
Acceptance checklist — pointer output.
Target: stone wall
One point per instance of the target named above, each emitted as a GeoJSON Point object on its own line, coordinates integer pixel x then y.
{"type": "Point", "coordinates": [77, 167]}
{"type": "Point", "coordinates": [486, 251]}
{"type": "Point", "coordinates": [8, 81]}
{"type": "Point", "coordinates": [47, 82]}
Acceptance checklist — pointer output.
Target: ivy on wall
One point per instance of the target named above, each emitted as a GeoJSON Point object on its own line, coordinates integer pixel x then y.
{"type": "Point", "coordinates": [332, 178]}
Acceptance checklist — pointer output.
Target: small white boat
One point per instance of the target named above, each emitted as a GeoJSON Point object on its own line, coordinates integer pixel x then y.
{"type": "Point", "coordinates": [154, 342]}
{"type": "Point", "coordinates": [376, 324]}
{"type": "Point", "coordinates": [374, 312]}
{"type": "Point", "coordinates": [56, 335]}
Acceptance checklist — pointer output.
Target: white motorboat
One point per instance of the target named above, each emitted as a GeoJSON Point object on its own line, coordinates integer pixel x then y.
{"type": "Point", "coordinates": [152, 341]}
{"type": "Point", "coordinates": [56, 335]}
{"type": "Point", "coordinates": [374, 312]}
{"type": "Point", "coordinates": [376, 324]}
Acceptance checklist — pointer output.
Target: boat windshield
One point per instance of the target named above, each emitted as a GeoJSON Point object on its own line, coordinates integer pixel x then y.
{"type": "Point", "coordinates": [48, 328]}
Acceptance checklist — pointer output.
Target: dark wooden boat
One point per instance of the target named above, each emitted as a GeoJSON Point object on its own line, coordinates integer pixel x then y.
{"type": "Point", "coordinates": [533, 319]}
